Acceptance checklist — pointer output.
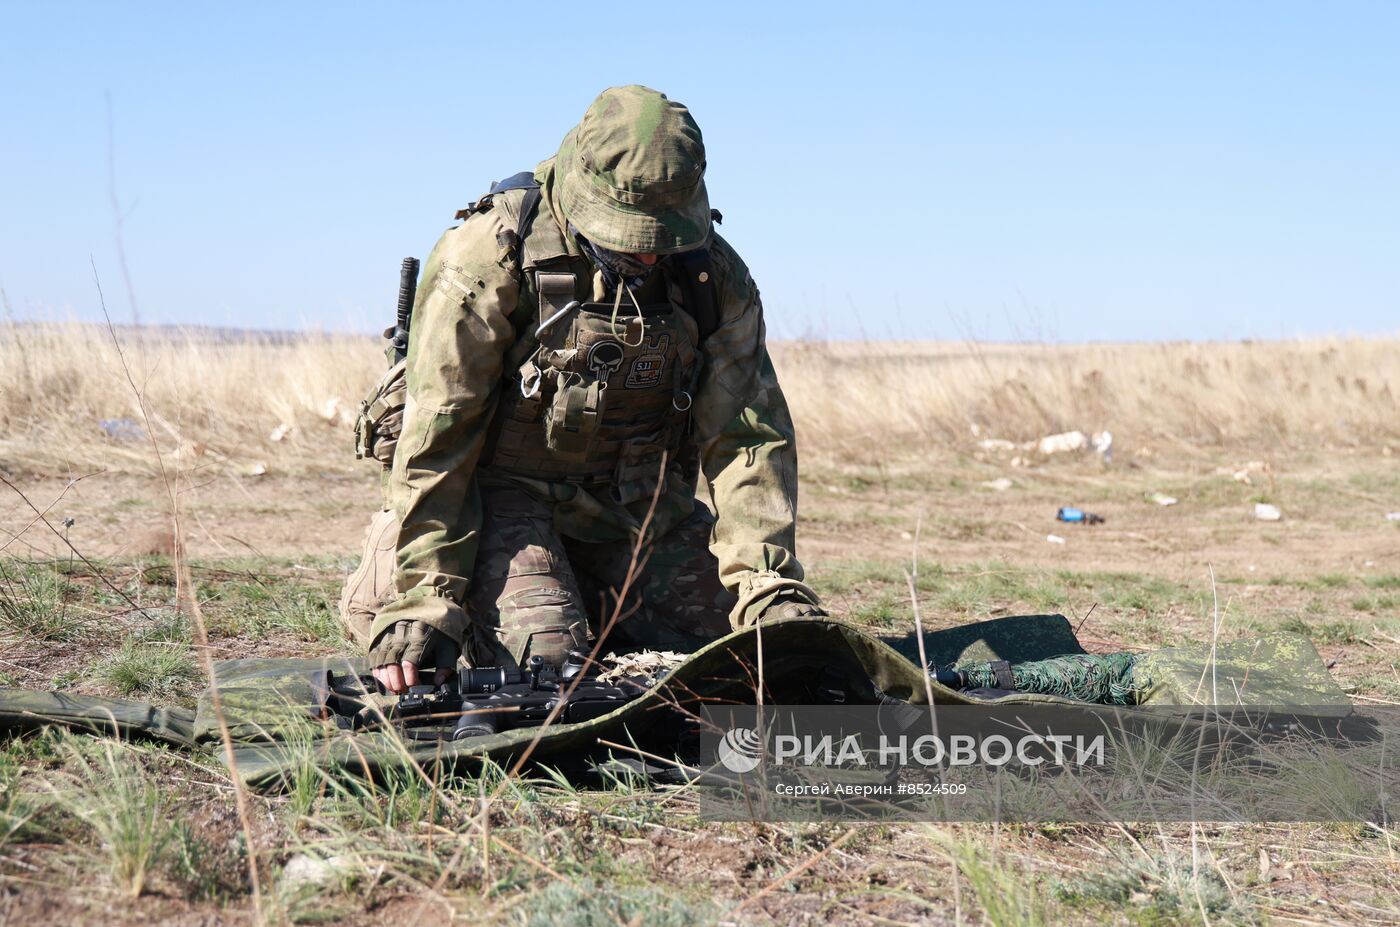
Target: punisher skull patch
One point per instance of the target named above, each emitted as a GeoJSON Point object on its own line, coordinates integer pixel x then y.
{"type": "Point", "coordinates": [604, 359]}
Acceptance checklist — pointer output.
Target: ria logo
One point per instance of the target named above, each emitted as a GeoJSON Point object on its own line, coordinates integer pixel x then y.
{"type": "Point", "coordinates": [739, 750]}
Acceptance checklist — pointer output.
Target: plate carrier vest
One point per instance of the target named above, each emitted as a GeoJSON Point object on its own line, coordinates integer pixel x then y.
{"type": "Point", "coordinates": [593, 394]}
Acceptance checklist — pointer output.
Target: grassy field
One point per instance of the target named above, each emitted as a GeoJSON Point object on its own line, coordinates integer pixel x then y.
{"type": "Point", "coordinates": [912, 454]}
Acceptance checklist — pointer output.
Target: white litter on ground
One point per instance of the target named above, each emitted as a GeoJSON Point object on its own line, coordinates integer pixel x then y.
{"type": "Point", "coordinates": [1103, 443]}
{"type": "Point", "coordinates": [1266, 512]}
{"type": "Point", "coordinates": [1064, 442]}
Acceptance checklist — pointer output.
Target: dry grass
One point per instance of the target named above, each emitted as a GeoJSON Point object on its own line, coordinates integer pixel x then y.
{"type": "Point", "coordinates": [545, 852]}
{"type": "Point", "coordinates": [847, 397]}
{"type": "Point", "coordinates": [213, 400]}
{"type": "Point", "coordinates": [219, 401]}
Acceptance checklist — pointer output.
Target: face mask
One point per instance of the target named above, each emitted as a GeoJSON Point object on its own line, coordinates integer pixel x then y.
{"type": "Point", "coordinates": [617, 268]}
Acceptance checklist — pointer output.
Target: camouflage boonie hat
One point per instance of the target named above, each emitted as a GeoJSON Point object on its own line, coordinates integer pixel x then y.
{"type": "Point", "coordinates": [633, 174]}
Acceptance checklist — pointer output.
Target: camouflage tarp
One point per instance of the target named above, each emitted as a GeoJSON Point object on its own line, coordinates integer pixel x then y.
{"type": "Point", "coordinates": [269, 706]}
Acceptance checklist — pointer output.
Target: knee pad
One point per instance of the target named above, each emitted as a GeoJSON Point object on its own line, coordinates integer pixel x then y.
{"type": "Point", "coordinates": [544, 623]}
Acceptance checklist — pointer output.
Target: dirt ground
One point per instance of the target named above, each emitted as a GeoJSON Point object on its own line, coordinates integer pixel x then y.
{"type": "Point", "coordinates": [1149, 575]}
{"type": "Point", "coordinates": [945, 512]}
{"type": "Point", "coordinates": [1334, 508]}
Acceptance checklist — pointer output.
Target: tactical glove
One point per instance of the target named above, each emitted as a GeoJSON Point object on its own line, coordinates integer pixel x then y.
{"type": "Point", "coordinates": [414, 642]}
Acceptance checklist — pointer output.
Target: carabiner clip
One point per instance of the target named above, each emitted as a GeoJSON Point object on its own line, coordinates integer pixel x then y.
{"type": "Point", "coordinates": [682, 408]}
{"type": "Point", "coordinates": [545, 325]}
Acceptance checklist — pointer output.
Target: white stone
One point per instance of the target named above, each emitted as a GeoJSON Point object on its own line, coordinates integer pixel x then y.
{"type": "Point", "coordinates": [304, 871]}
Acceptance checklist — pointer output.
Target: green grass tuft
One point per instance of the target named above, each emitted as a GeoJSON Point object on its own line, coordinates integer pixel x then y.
{"type": "Point", "coordinates": [1161, 887]}
{"type": "Point", "coordinates": [35, 603]}
{"type": "Point", "coordinates": [109, 792]}
{"type": "Point", "coordinates": [164, 669]}
{"type": "Point", "coordinates": [1008, 898]}
{"type": "Point", "coordinates": [1320, 632]}
{"type": "Point", "coordinates": [590, 904]}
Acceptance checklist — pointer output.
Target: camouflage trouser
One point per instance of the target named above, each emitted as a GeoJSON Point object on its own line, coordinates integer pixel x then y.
{"type": "Point", "coordinates": [536, 593]}
{"type": "Point", "coordinates": [371, 586]}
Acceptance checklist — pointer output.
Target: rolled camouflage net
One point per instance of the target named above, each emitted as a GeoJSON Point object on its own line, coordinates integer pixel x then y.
{"type": "Point", "coordinates": [1106, 679]}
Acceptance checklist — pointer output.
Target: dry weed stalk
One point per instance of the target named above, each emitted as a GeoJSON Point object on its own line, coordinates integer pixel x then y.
{"type": "Point", "coordinates": [185, 593]}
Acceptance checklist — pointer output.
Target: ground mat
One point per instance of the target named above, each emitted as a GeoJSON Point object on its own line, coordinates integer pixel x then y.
{"type": "Point", "coordinates": [276, 716]}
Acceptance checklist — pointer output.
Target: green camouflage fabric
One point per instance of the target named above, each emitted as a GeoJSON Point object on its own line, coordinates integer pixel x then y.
{"type": "Point", "coordinates": [1105, 679]}
{"type": "Point", "coordinates": [633, 174]}
{"type": "Point", "coordinates": [1279, 669]}
{"type": "Point", "coordinates": [24, 711]}
{"type": "Point", "coordinates": [271, 706]}
{"type": "Point", "coordinates": [1015, 639]}
{"type": "Point", "coordinates": [476, 288]}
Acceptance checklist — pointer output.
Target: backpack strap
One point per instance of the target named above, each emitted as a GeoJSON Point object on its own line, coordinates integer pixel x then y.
{"type": "Point", "coordinates": [521, 181]}
{"type": "Point", "coordinates": [525, 180]}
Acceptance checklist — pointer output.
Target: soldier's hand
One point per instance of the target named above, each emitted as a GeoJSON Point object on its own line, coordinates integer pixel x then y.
{"type": "Point", "coordinates": [404, 647]}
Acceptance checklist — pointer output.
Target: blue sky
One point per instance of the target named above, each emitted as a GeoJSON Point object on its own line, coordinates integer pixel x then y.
{"type": "Point", "coordinates": [1055, 170]}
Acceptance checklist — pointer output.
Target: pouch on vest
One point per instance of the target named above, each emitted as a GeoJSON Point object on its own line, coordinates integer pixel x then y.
{"type": "Point", "coordinates": [380, 422]}
{"type": "Point", "coordinates": [571, 421]}
{"type": "Point", "coordinates": [638, 470]}
{"type": "Point", "coordinates": [639, 463]}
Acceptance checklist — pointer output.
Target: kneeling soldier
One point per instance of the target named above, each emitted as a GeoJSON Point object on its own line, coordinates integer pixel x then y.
{"type": "Point", "coordinates": [583, 346]}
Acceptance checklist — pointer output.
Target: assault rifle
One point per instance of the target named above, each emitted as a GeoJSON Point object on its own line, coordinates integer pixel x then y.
{"type": "Point", "coordinates": [478, 702]}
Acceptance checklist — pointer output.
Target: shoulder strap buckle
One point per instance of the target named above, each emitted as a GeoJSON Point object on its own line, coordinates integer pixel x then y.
{"type": "Point", "coordinates": [556, 298]}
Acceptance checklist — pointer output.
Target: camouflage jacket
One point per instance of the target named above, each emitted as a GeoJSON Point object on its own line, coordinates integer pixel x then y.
{"type": "Point", "coordinates": [472, 291]}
